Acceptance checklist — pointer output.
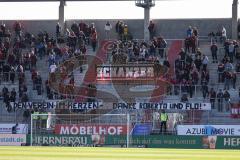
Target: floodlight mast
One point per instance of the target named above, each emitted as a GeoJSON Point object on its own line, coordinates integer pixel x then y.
{"type": "Point", "coordinates": [146, 4]}
{"type": "Point", "coordinates": [235, 19]}
{"type": "Point", "coordinates": [61, 18]}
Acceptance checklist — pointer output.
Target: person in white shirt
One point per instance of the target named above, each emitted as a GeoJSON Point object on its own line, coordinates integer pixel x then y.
{"type": "Point", "coordinates": [205, 61]}
{"type": "Point", "coordinates": [231, 51]}
{"type": "Point", "coordinates": [156, 117]}
{"type": "Point", "coordinates": [52, 68]}
{"type": "Point", "coordinates": [107, 29]}
{"type": "Point", "coordinates": [224, 34]}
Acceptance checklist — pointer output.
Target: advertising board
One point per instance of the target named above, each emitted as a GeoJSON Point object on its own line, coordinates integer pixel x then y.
{"type": "Point", "coordinates": [90, 129]}
{"type": "Point", "coordinates": [222, 130]}
{"type": "Point", "coordinates": [7, 128]}
{"type": "Point", "coordinates": [12, 139]}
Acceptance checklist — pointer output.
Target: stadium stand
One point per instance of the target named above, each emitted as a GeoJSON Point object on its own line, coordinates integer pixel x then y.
{"type": "Point", "coordinates": [27, 60]}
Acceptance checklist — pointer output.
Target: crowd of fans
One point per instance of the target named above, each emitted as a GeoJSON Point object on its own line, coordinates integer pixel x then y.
{"type": "Point", "coordinates": [192, 71]}
{"type": "Point", "coordinates": [20, 51]}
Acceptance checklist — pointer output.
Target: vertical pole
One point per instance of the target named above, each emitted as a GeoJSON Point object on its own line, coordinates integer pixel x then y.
{"type": "Point", "coordinates": [128, 129]}
{"type": "Point", "coordinates": [61, 15]}
{"type": "Point", "coordinates": [235, 19]}
{"type": "Point", "coordinates": [146, 23]}
{"type": "Point", "coordinates": [31, 128]}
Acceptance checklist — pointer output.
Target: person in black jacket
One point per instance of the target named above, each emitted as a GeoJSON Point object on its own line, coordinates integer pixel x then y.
{"type": "Point", "coordinates": [212, 96]}
{"type": "Point", "coordinates": [227, 97]}
{"type": "Point", "coordinates": [214, 50]}
{"type": "Point", "coordinates": [220, 100]}
{"type": "Point", "coordinates": [39, 84]}
{"type": "Point", "coordinates": [14, 129]}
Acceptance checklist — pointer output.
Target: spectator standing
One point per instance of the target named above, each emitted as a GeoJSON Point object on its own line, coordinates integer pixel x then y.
{"type": "Point", "coordinates": [214, 50]}
{"type": "Point", "coordinates": [39, 84]}
{"type": "Point", "coordinates": [189, 31]}
{"type": "Point", "coordinates": [94, 39]}
{"type": "Point", "coordinates": [234, 79]}
{"type": "Point", "coordinates": [151, 29]}
{"type": "Point", "coordinates": [220, 100]}
{"type": "Point", "coordinates": [205, 62]}
{"type": "Point", "coordinates": [13, 95]}
{"type": "Point", "coordinates": [224, 35]}
{"type": "Point", "coordinates": [212, 96]}
{"type": "Point", "coordinates": [52, 68]}
{"type": "Point", "coordinates": [107, 29]}
{"type": "Point", "coordinates": [33, 59]}
{"type": "Point", "coordinates": [231, 51]}
{"type": "Point", "coordinates": [227, 99]}
{"type": "Point", "coordinates": [227, 79]}
{"type": "Point", "coordinates": [162, 44]}
{"type": "Point", "coordinates": [205, 90]}
{"type": "Point", "coordinates": [58, 31]}
{"type": "Point", "coordinates": [163, 119]}
{"type": "Point", "coordinates": [12, 75]}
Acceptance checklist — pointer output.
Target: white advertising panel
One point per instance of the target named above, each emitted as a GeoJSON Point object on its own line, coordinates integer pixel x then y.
{"type": "Point", "coordinates": [7, 128]}
{"type": "Point", "coordinates": [224, 130]}
{"type": "Point", "coordinates": [12, 139]}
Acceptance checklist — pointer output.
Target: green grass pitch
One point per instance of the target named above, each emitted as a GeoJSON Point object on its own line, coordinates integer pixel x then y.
{"type": "Point", "coordinates": [85, 153]}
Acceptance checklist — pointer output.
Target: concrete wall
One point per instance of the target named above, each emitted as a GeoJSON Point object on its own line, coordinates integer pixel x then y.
{"type": "Point", "coordinates": [169, 28]}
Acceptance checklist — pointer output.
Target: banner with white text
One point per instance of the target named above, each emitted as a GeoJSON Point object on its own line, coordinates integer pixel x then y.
{"type": "Point", "coordinates": [90, 129]}
{"type": "Point", "coordinates": [222, 130]}
{"type": "Point", "coordinates": [162, 105]}
{"type": "Point", "coordinates": [7, 128]}
{"type": "Point", "coordinates": [12, 139]}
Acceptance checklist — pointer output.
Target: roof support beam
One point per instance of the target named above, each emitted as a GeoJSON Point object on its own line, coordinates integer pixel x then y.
{"type": "Point", "coordinates": [235, 19]}
{"type": "Point", "coordinates": [61, 15]}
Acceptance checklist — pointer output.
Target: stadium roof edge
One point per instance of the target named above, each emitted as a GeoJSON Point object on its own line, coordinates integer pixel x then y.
{"type": "Point", "coordinates": [55, 0]}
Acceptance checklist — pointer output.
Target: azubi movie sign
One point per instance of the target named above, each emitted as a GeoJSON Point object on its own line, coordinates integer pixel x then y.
{"type": "Point", "coordinates": [222, 130]}
{"type": "Point", "coordinates": [12, 139]}
{"type": "Point", "coordinates": [90, 129]}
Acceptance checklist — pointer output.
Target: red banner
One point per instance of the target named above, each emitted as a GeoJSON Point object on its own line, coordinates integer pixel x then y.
{"type": "Point", "coordinates": [91, 129]}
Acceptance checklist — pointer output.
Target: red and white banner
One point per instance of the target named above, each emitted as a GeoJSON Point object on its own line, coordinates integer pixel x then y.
{"type": "Point", "coordinates": [91, 129]}
{"type": "Point", "coordinates": [235, 111]}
